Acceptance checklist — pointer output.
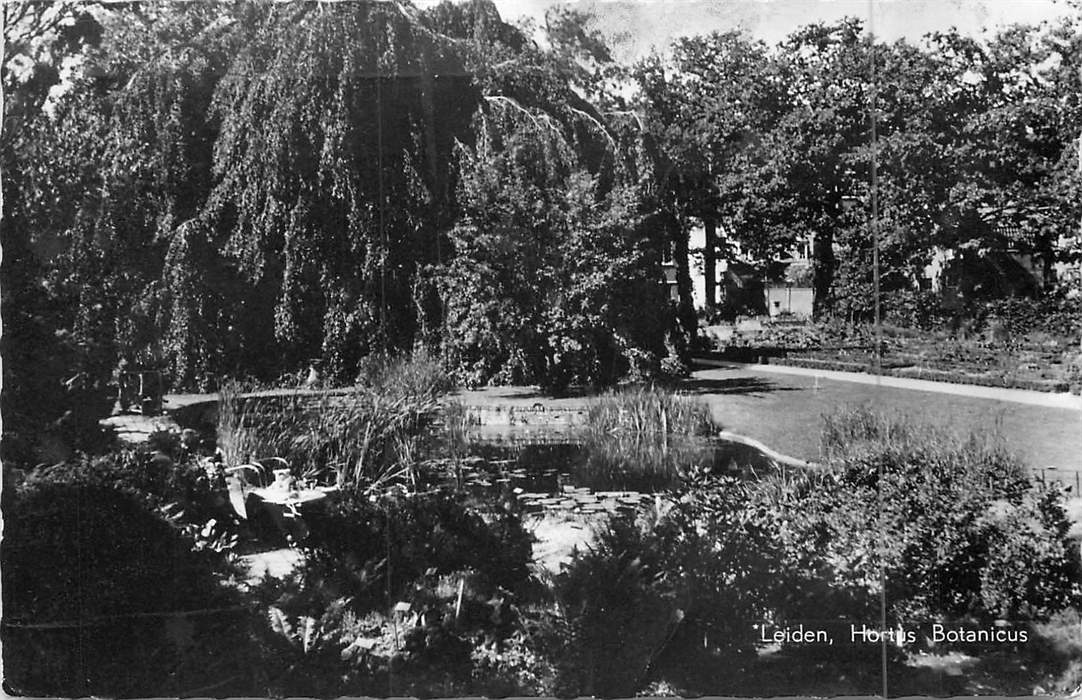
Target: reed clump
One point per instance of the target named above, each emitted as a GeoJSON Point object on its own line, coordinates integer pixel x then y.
{"type": "Point", "coordinates": [650, 433]}
{"type": "Point", "coordinates": [649, 411]}
{"type": "Point", "coordinates": [361, 439]}
{"type": "Point", "coordinates": [418, 375]}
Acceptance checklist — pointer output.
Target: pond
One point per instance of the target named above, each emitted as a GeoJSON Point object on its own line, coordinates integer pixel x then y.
{"type": "Point", "coordinates": [584, 475]}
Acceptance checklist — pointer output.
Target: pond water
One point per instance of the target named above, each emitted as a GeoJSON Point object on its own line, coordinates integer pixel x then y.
{"type": "Point", "coordinates": [582, 475]}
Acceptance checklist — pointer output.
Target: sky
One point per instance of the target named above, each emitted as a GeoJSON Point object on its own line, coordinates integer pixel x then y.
{"type": "Point", "coordinates": [650, 23]}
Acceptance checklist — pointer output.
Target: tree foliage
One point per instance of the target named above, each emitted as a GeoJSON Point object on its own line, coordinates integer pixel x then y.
{"type": "Point", "coordinates": [551, 248]}
{"type": "Point", "coordinates": [974, 139]}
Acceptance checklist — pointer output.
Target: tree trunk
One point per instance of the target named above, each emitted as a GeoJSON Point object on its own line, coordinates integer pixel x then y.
{"type": "Point", "coordinates": [822, 272]}
{"type": "Point", "coordinates": [709, 258]}
{"type": "Point", "coordinates": [429, 309]}
{"type": "Point", "coordinates": [685, 308]}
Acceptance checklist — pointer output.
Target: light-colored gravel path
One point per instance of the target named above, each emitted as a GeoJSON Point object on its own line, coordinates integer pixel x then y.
{"type": "Point", "coordinates": [1024, 396]}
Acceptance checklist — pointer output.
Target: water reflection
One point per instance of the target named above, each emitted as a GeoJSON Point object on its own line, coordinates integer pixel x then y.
{"type": "Point", "coordinates": [587, 463]}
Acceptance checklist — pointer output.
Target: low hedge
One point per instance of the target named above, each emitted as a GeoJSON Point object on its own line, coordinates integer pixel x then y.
{"type": "Point", "coordinates": [932, 375]}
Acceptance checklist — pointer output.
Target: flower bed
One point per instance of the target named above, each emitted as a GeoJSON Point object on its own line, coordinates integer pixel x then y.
{"type": "Point", "coordinates": [1036, 361]}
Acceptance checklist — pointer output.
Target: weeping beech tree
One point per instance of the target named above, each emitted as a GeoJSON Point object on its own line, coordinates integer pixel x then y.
{"type": "Point", "coordinates": [336, 126]}
{"type": "Point", "coordinates": [268, 184]}
{"type": "Point", "coordinates": [343, 128]}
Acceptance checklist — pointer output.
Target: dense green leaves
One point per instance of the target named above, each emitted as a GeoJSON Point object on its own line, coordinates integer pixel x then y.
{"type": "Point", "coordinates": [973, 139]}
{"type": "Point", "coordinates": [250, 188]}
{"type": "Point", "coordinates": [547, 270]}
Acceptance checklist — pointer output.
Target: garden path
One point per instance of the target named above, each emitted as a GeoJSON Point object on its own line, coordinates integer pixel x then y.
{"type": "Point", "coordinates": [1023, 396]}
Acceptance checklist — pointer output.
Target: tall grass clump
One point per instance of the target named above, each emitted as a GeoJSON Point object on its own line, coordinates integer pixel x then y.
{"type": "Point", "coordinates": [365, 439]}
{"type": "Point", "coordinates": [649, 411]}
{"type": "Point", "coordinates": [252, 428]}
{"type": "Point", "coordinates": [648, 433]}
{"type": "Point", "coordinates": [847, 428]}
{"type": "Point", "coordinates": [368, 437]}
{"type": "Point", "coordinates": [418, 375]}
{"type": "Point", "coordinates": [239, 438]}
{"type": "Point", "coordinates": [859, 438]}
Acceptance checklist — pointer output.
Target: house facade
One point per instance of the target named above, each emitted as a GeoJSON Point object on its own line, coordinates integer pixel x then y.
{"type": "Point", "coordinates": [786, 300]}
{"type": "Point", "coordinates": [1013, 266]}
{"type": "Point", "coordinates": [748, 287]}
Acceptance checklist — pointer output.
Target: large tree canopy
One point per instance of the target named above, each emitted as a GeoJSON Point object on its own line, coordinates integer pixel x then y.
{"type": "Point", "coordinates": [975, 140]}
{"type": "Point", "coordinates": [337, 124]}
{"type": "Point", "coordinates": [248, 188]}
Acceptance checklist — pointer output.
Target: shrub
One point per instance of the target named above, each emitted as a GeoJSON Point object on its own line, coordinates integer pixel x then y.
{"type": "Point", "coordinates": [568, 297]}
{"type": "Point", "coordinates": [726, 552]}
{"type": "Point", "coordinates": [103, 597]}
{"type": "Point", "coordinates": [943, 516]}
{"type": "Point", "coordinates": [622, 607]}
{"type": "Point", "coordinates": [806, 511]}
{"type": "Point", "coordinates": [1033, 531]}
{"type": "Point", "coordinates": [675, 591]}
{"type": "Point", "coordinates": [914, 309]}
{"type": "Point", "coordinates": [185, 489]}
{"type": "Point", "coordinates": [372, 549]}
{"type": "Point", "coordinates": [1018, 316]}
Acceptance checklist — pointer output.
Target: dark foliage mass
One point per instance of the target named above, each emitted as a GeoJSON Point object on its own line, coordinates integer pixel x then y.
{"type": "Point", "coordinates": [684, 589]}
{"type": "Point", "coordinates": [375, 549]}
{"type": "Point", "coordinates": [250, 188]}
{"type": "Point", "coordinates": [103, 596]}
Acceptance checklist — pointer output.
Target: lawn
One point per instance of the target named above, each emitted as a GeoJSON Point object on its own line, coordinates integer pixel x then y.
{"type": "Point", "coordinates": [785, 412]}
